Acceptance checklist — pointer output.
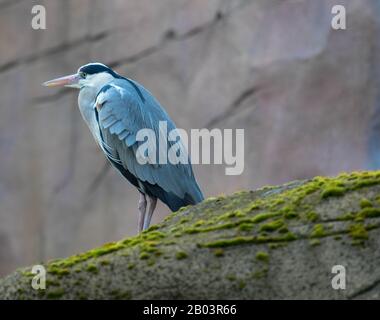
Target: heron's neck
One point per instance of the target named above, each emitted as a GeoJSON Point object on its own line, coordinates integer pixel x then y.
{"type": "Point", "coordinates": [96, 82]}
{"type": "Point", "coordinates": [87, 96]}
{"type": "Point", "coordinates": [86, 100]}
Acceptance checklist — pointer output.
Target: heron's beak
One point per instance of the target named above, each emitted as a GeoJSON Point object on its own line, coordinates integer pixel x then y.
{"type": "Point", "coordinates": [68, 81]}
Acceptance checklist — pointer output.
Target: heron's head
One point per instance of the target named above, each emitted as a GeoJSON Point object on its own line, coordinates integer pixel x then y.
{"type": "Point", "coordinates": [89, 75]}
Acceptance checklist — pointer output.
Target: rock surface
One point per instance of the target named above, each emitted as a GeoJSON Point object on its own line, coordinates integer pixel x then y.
{"type": "Point", "coordinates": [305, 94]}
{"type": "Point", "coordinates": [274, 243]}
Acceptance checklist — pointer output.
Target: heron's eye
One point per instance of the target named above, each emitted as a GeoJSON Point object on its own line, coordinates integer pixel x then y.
{"type": "Point", "coordinates": [82, 75]}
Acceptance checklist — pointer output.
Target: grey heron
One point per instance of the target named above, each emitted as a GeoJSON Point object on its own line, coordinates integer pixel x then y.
{"type": "Point", "coordinates": [115, 108]}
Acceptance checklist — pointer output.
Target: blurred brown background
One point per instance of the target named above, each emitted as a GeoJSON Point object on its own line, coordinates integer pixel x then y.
{"type": "Point", "coordinates": [306, 95]}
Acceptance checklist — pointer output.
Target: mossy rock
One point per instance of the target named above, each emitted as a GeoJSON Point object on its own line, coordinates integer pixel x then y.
{"type": "Point", "coordinates": [273, 243]}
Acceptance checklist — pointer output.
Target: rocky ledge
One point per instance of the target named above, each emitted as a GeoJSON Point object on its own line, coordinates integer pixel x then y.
{"type": "Point", "coordinates": [277, 242]}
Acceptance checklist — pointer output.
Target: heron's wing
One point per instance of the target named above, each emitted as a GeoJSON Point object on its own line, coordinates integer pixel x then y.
{"type": "Point", "coordinates": [123, 108]}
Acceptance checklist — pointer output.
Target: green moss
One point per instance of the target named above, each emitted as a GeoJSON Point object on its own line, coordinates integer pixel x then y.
{"type": "Point", "coordinates": [240, 214]}
{"type": "Point", "coordinates": [194, 229]}
{"type": "Point", "coordinates": [151, 228]}
{"type": "Point", "coordinates": [151, 262]}
{"type": "Point", "coordinates": [126, 295]}
{"type": "Point", "coordinates": [318, 231]}
{"type": "Point", "coordinates": [372, 226]}
{"type": "Point", "coordinates": [289, 213]}
{"type": "Point", "coordinates": [259, 274]}
{"type": "Point", "coordinates": [184, 220]}
{"type": "Point", "coordinates": [229, 215]}
{"type": "Point", "coordinates": [231, 277]}
{"type": "Point", "coordinates": [283, 229]}
{"type": "Point", "coordinates": [253, 207]}
{"type": "Point", "coordinates": [55, 293]}
{"type": "Point", "coordinates": [365, 203]}
{"type": "Point", "coordinates": [358, 242]}
{"type": "Point", "coordinates": [181, 255]}
{"type": "Point", "coordinates": [231, 224]}
{"type": "Point", "coordinates": [363, 183]}
{"type": "Point", "coordinates": [92, 268]}
{"type": "Point", "coordinates": [276, 245]}
{"type": "Point", "coordinates": [332, 191]}
{"type": "Point", "coordinates": [199, 223]}
{"type": "Point", "coordinates": [285, 203]}
{"type": "Point", "coordinates": [106, 249]}
{"type": "Point", "coordinates": [58, 271]}
{"type": "Point", "coordinates": [264, 216]}
{"type": "Point", "coordinates": [144, 255]}
{"type": "Point", "coordinates": [312, 216]}
{"type": "Point", "coordinates": [118, 294]}
{"type": "Point", "coordinates": [241, 284]}
{"type": "Point", "coordinates": [149, 247]}
{"type": "Point", "coordinates": [272, 226]}
{"type": "Point", "coordinates": [130, 266]}
{"type": "Point", "coordinates": [346, 216]}
{"type": "Point", "coordinates": [183, 209]}
{"type": "Point", "coordinates": [104, 262]}
{"type": "Point", "coordinates": [246, 226]}
{"type": "Point", "coordinates": [61, 266]}
{"type": "Point", "coordinates": [211, 199]}
{"type": "Point", "coordinates": [50, 282]}
{"type": "Point", "coordinates": [287, 237]}
{"type": "Point", "coordinates": [219, 252]}
{"type": "Point", "coordinates": [315, 242]}
{"type": "Point", "coordinates": [369, 213]}
{"type": "Point", "coordinates": [358, 231]}
{"type": "Point", "coordinates": [228, 242]}
{"type": "Point", "coordinates": [247, 240]}
{"type": "Point", "coordinates": [278, 202]}
{"type": "Point", "coordinates": [82, 296]}
{"type": "Point", "coordinates": [155, 235]}
{"type": "Point", "coordinates": [262, 256]}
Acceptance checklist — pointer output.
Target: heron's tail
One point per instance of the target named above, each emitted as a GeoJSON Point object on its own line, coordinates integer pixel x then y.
{"type": "Point", "coordinates": [196, 195]}
{"type": "Point", "coordinates": [192, 197]}
{"type": "Point", "coordinates": [175, 203]}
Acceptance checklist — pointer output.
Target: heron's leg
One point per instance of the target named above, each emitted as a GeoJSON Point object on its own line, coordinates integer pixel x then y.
{"type": "Point", "coordinates": [142, 210]}
{"type": "Point", "coordinates": [152, 205]}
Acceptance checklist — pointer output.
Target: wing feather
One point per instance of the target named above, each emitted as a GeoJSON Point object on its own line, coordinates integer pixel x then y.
{"type": "Point", "coordinates": [122, 114]}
